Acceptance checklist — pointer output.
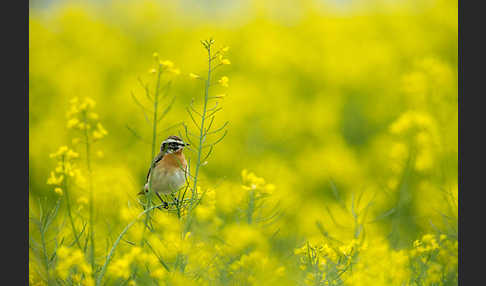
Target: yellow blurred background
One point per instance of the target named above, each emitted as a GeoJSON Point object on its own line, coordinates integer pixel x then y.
{"type": "Point", "coordinates": [330, 101]}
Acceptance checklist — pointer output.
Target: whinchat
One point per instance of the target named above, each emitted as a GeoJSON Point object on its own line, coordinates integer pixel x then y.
{"type": "Point", "coordinates": [169, 168]}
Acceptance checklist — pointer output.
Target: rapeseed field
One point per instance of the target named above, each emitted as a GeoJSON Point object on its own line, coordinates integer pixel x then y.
{"type": "Point", "coordinates": [323, 142]}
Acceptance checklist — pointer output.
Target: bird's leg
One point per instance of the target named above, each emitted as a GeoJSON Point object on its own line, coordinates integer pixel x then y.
{"type": "Point", "coordinates": [166, 205]}
{"type": "Point", "coordinates": [175, 199]}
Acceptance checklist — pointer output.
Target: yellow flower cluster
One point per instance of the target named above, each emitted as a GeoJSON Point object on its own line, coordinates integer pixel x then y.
{"type": "Point", "coordinates": [256, 267]}
{"type": "Point", "coordinates": [204, 260]}
{"type": "Point", "coordinates": [318, 128]}
{"type": "Point", "coordinates": [253, 182]}
{"type": "Point", "coordinates": [221, 58]}
{"type": "Point", "coordinates": [420, 130]}
{"type": "Point", "coordinates": [422, 84]}
{"type": "Point", "coordinates": [169, 66]}
{"type": "Point", "coordinates": [164, 65]}
{"type": "Point", "coordinates": [194, 76]}
{"type": "Point", "coordinates": [34, 278]}
{"type": "Point", "coordinates": [121, 267]}
{"type": "Point", "coordinates": [170, 240]}
{"type": "Point", "coordinates": [223, 81]}
{"type": "Point", "coordinates": [65, 168]}
{"type": "Point", "coordinates": [72, 264]}
{"type": "Point", "coordinates": [426, 245]}
{"type": "Point", "coordinates": [435, 257]}
{"type": "Point", "coordinates": [82, 117]}
{"type": "Point", "coordinates": [377, 264]}
{"type": "Point", "coordinates": [325, 263]}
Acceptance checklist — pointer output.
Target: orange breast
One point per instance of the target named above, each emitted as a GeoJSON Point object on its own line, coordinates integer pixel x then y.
{"type": "Point", "coordinates": [173, 161]}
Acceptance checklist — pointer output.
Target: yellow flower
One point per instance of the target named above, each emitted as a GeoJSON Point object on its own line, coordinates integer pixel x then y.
{"type": "Point", "coordinates": [280, 271]}
{"type": "Point", "coordinates": [61, 151]}
{"type": "Point", "coordinates": [53, 180]}
{"type": "Point", "coordinates": [223, 61]}
{"type": "Point", "coordinates": [72, 122]}
{"type": "Point", "coordinates": [223, 81]}
{"type": "Point", "coordinates": [417, 243]}
{"type": "Point", "coordinates": [100, 132]}
{"type": "Point", "coordinates": [269, 188]}
{"type": "Point", "coordinates": [167, 64]}
{"type": "Point", "coordinates": [88, 103]}
{"type": "Point", "coordinates": [251, 181]}
{"type": "Point", "coordinates": [58, 191]}
{"type": "Point", "coordinates": [193, 75]}
{"type": "Point", "coordinates": [70, 259]}
{"type": "Point", "coordinates": [76, 278]}
{"type": "Point", "coordinates": [159, 273]}
{"type": "Point", "coordinates": [71, 154]}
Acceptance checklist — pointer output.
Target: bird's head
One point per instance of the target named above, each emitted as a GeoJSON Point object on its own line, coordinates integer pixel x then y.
{"type": "Point", "coordinates": [172, 144]}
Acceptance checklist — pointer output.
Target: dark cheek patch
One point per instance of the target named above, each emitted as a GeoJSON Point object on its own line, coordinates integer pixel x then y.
{"type": "Point", "coordinates": [173, 147]}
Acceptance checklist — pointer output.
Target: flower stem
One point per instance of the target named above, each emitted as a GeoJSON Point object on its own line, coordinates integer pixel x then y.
{"type": "Point", "coordinates": [68, 205]}
{"type": "Point", "coordinates": [202, 134]}
{"type": "Point", "coordinates": [90, 190]}
{"type": "Point", "coordinates": [154, 144]}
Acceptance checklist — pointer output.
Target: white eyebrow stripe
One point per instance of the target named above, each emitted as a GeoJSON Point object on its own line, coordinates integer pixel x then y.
{"type": "Point", "coordinates": [173, 141]}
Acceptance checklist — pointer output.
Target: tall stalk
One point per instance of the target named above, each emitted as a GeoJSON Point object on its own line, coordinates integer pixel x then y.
{"type": "Point", "coordinates": [207, 116]}
{"type": "Point", "coordinates": [68, 203]}
{"type": "Point", "coordinates": [90, 191]}
{"type": "Point", "coordinates": [44, 252]}
{"type": "Point", "coordinates": [202, 135]}
{"type": "Point", "coordinates": [154, 144]}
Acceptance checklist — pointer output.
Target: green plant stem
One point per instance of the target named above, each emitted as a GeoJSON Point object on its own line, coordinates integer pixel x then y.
{"type": "Point", "coordinates": [251, 206]}
{"type": "Point", "coordinates": [154, 144]}
{"type": "Point", "coordinates": [112, 250]}
{"type": "Point", "coordinates": [68, 205]}
{"type": "Point", "coordinates": [44, 251]}
{"type": "Point", "coordinates": [156, 106]}
{"type": "Point", "coordinates": [202, 134]}
{"type": "Point", "coordinates": [91, 195]}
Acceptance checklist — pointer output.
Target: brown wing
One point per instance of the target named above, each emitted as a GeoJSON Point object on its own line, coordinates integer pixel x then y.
{"type": "Point", "coordinates": [157, 159]}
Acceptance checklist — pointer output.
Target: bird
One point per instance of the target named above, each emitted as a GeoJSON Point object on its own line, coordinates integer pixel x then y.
{"type": "Point", "coordinates": [168, 170]}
